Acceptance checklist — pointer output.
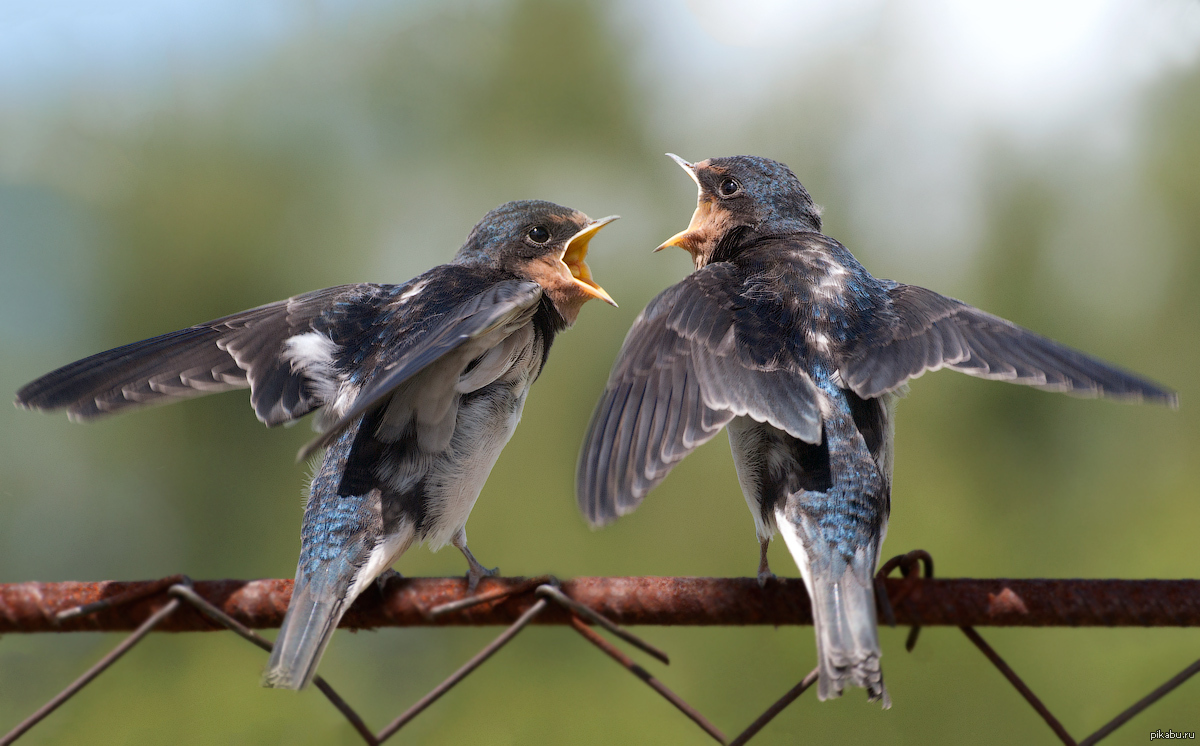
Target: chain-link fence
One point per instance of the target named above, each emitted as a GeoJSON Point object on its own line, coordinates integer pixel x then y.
{"type": "Point", "coordinates": [177, 604]}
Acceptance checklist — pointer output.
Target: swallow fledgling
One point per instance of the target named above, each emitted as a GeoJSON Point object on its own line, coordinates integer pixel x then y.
{"type": "Point", "coordinates": [420, 386]}
{"type": "Point", "coordinates": [783, 336]}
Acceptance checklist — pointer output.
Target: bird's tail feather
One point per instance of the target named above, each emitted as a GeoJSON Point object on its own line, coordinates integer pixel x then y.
{"type": "Point", "coordinates": [847, 639]}
{"type": "Point", "coordinates": [310, 621]}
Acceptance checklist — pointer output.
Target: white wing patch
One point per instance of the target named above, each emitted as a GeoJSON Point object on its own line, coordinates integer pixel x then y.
{"type": "Point", "coordinates": [337, 405]}
{"type": "Point", "coordinates": [312, 354]}
{"type": "Point", "coordinates": [417, 288]}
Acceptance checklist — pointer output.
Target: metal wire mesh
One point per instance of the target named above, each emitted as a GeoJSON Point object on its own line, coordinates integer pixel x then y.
{"type": "Point", "coordinates": [176, 603]}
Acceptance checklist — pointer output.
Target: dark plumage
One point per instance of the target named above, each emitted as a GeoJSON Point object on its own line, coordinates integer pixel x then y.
{"type": "Point", "coordinates": [782, 335]}
{"type": "Point", "coordinates": [420, 385]}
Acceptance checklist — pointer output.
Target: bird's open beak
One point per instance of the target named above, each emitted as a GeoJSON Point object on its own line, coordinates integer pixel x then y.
{"type": "Point", "coordinates": [684, 238]}
{"type": "Point", "coordinates": [689, 167]}
{"type": "Point", "coordinates": [575, 254]}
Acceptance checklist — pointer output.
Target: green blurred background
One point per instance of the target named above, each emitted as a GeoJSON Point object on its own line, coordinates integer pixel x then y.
{"type": "Point", "coordinates": [166, 163]}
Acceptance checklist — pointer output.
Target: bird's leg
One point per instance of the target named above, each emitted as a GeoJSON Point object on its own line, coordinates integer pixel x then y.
{"type": "Point", "coordinates": [764, 569]}
{"type": "Point", "coordinates": [477, 570]}
{"type": "Point", "coordinates": [386, 577]}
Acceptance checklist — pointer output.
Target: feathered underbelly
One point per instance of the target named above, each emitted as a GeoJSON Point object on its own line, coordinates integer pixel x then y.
{"type": "Point", "coordinates": [849, 471]}
{"type": "Point", "coordinates": [486, 421]}
{"type": "Point", "coordinates": [390, 481]}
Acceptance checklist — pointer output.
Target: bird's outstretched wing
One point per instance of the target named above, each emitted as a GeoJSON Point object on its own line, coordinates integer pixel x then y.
{"type": "Point", "coordinates": [688, 366]}
{"type": "Point", "coordinates": [496, 310]}
{"type": "Point", "coordinates": [245, 350]}
{"type": "Point", "coordinates": [921, 330]}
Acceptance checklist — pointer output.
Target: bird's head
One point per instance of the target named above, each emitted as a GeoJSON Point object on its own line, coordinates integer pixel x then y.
{"type": "Point", "coordinates": [542, 242]}
{"type": "Point", "coordinates": [740, 198]}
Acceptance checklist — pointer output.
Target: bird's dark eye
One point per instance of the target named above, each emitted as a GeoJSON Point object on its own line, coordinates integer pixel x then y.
{"type": "Point", "coordinates": [539, 234]}
{"type": "Point", "coordinates": [729, 187]}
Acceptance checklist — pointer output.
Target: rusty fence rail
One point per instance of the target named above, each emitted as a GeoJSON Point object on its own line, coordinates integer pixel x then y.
{"type": "Point", "coordinates": [260, 604]}
{"type": "Point", "coordinates": [176, 604]}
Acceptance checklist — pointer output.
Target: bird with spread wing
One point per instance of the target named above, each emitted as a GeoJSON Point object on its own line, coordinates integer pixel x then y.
{"type": "Point", "coordinates": [419, 387]}
{"type": "Point", "coordinates": [781, 335]}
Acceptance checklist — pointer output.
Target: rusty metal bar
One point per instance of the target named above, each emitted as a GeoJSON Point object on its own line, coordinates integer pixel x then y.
{"type": "Point", "coordinates": [140, 590]}
{"type": "Point", "coordinates": [586, 613]}
{"type": "Point", "coordinates": [260, 604]}
{"type": "Point", "coordinates": [493, 595]}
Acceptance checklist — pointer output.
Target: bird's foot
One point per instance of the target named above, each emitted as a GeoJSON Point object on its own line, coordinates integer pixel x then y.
{"type": "Point", "coordinates": [764, 568]}
{"type": "Point", "coordinates": [477, 573]}
{"type": "Point", "coordinates": [386, 577]}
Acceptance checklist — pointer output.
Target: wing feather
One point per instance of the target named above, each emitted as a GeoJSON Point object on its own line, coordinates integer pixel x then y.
{"type": "Point", "coordinates": [923, 331]}
{"type": "Point", "coordinates": [487, 318]}
{"type": "Point", "coordinates": [680, 377]}
{"type": "Point", "coordinates": [244, 350]}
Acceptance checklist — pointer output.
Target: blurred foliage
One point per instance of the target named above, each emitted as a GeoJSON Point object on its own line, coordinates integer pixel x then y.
{"type": "Point", "coordinates": [365, 152]}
